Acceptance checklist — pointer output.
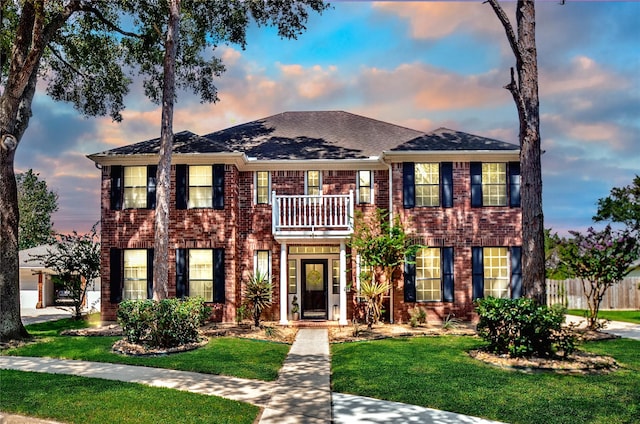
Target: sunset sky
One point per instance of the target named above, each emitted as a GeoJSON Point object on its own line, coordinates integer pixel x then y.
{"type": "Point", "coordinates": [422, 65]}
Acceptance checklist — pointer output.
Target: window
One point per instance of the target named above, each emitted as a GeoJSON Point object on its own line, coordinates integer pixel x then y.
{"type": "Point", "coordinates": [135, 274]}
{"type": "Point", "coordinates": [313, 183]}
{"type": "Point", "coordinates": [293, 276]}
{"type": "Point", "coordinates": [428, 275]}
{"type": "Point", "coordinates": [135, 187]}
{"type": "Point", "coordinates": [201, 273]}
{"type": "Point", "coordinates": [335, 276]}
{"type": "Point", "coordinates": [427, 184]}
{"type": "Point", "coordinates": [263, 263]}
{"type": "Point", "coordinates": [497, 272]}
{"type": "Point", "coordinates": [365, 187]}
{"type": "Point", "coordinates": [495, 184]}
{"type": "Point", "coordinates": [200, 187]}
{"type": "Point", "coordinates": [263, 187]}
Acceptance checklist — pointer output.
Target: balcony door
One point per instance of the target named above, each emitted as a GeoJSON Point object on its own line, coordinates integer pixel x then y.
{"type": "Point", "coordinates": [314, 288]}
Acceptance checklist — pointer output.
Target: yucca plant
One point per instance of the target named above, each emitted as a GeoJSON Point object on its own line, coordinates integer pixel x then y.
{"type": "Point", "coordinates": [258, 295]}
{"type": "Point", "coordinates": [373, 291]}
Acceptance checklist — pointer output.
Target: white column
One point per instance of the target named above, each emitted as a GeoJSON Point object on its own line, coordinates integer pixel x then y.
{"type": "Point", "coordinates": [343, 284]}
{"type": "Point", "coordinates": [284, 296]}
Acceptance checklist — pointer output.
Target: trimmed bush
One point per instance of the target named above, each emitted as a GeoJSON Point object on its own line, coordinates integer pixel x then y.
{"type": "Point", "coordinates": [166, 323]}
{"type": "Point", "coordinates": [522, 328]}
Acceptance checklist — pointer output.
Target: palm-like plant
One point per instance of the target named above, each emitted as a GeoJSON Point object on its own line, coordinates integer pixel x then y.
{"type": "Point", "coordinates": [373, 291]}
{"type": "Point", "coordinates": [258, 296]}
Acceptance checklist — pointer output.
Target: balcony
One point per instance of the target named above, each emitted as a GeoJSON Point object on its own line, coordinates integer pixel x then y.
{"type": "Point", "coordinates": [323, 216]}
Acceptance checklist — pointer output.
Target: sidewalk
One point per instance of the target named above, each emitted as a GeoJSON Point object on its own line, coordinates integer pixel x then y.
{"type": "Point", "coordinates": [622, 329]}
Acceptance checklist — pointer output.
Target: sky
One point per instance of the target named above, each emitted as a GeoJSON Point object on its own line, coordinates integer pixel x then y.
{"type": "Point", "coordinates": [422, 65]}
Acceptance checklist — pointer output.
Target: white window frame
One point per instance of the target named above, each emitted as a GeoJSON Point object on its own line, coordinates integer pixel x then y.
{"type": "Point", "coordinates": [256, 261]}
{"type": "Point", "coordinates": [306, 182]}
{"type": "Point", "coordinates": [489, 282]}
{"type": "Point", "coordinates": [256, 192]}
{"type": "Point", "coordinates": [190, 198]}
{"type": "Point", "coordinates": [420, 277]}
{"type": "Point", "coordinates": [140, 203]}
{"type": "Point", "coordinates": [419, 198]}
{"type": "Point", "coordinates": [142, 293]}
{"type": "Point", "coordinates": [190, 262]}
{"type": "Point", "coordinates": [493, 190]}
{"type": "Point", "coordinates": [359, 200]}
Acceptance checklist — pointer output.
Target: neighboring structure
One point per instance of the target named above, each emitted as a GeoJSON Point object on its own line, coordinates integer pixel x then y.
{"type": "Point", "coordinates": [279, 194]}
{"type": "Point", "coordinates": [37, 283]}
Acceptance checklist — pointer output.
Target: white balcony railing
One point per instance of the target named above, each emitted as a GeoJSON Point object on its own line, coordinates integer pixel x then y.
{"type": "Point", "coordinates": [323, 214]}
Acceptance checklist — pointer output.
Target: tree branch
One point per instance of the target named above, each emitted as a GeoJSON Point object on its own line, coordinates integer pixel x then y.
{"type": "Point", "coordinates": [57, 54]}
{"type": "Point", "coordinates": [90, 9]}
{"type": "Point", "coordinates": [508, 28]}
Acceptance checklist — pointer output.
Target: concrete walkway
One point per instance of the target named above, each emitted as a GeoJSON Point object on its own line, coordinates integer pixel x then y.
{"type": "Point", "coordinates": [622, 329]}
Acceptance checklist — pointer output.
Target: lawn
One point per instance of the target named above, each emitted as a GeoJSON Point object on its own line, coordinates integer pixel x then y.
{"type": "Point", "coordinates": [437, 372]}
{"type": "Point", "coordinates": [244, 358]}
{"type": "Point", "coordinates": [88, 400]}
{"type": "Point", "coordinates": [624, 316]}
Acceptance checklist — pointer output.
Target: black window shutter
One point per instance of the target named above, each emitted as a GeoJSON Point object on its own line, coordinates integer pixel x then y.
{"type": "Point", "coordinates": [181, 273]}
{"type": "Point", "coordinates": [149, 273]}
{"type": "Point", "coordinates": [446, 185]}
{"type": "Point", "coordinates": [218, 186]}
{"type": "Point", "coordinates": [181, 186]}
{"type": "Point", "coordinates": [151, 186]}
{"type": "Point", "coordinates": [476, 184]}
{"type": "Point", "coordinates": [516, 272]}
{"type": "Point", "coordinates": [447, 274]}
{"type": "Point", "coordinates": [410, 279]}
{"type": "Point", "coordinates": [117, 178]}
{"type": "Point", "coordinates": [115, 275]}
{"type": "Point", "coordinates": [514, 184]}
{"type": "Point", "coordinates": [218, 276]}
{"type": "Point", "coordinates": [408, 184]}
{"type": "Point", "coordinates": [477, 272]}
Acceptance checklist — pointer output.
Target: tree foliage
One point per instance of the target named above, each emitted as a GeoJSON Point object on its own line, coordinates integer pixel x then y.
{"type": "Point", "coordinates": [383, 246]}
{"type": "Point", "coordinates": [622, 206]}
{"type": "Point", "coordinates": [600, 259]}
{"type": "Point", "coordinates": [36, 204]}
{"type": "Point", "coordinates": [76, 260]}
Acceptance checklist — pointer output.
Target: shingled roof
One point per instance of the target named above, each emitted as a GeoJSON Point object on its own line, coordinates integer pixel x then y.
{"type": "Point", "coordinates": [314, 135]}
{"type": "Point", "coordinates": [446, 139]}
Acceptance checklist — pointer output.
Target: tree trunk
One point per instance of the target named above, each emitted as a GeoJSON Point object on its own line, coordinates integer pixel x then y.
{"type": "Point", "coordinates": [525, 96]}
{"type": "Point", "coordinates": [163, 176]}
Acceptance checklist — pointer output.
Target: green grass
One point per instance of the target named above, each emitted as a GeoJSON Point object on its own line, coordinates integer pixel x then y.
{"type": "Point", "coordinates": [88, 400]}
{"type": "Point", "coordinates": [624, 316]}
{"type": "Point", "coordinates": [438, 373]}
{"type": "Point", "coordinates": [244, 358]}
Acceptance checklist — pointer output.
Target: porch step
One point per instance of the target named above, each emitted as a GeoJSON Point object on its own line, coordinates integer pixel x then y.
{"type": "Point", "coordinates": [313, 324]}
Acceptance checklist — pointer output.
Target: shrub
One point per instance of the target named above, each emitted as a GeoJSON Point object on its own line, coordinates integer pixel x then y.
{"type": "Point", "coordinates": [417, 316]}
{"type": "Point", "coordinates": [166, 323]}
{"type": "Point", "coordinates": [258, 296]}
{"type": "Point", "coordinates": [522, 328]}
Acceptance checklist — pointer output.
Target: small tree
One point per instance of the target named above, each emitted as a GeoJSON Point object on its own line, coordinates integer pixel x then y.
{"type": "Point", "coordinates": [258, 295]}
{"type": "Point", "coordinates": [600, 259]}
{"type": "Point", "coordinates": [76, 260]}
{"type": "Point", "coordinates": [383, 246]}
{"type": "Point", "coordinates": [36, 203]}
{"type": "Point", "coordinates": [622, 205]}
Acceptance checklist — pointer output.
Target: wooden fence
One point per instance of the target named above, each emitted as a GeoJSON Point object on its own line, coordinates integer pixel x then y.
{"type": "Point", "coordinates": [624, 295]}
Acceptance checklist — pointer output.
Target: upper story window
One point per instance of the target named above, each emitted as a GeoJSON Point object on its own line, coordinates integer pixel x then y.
{"type": "Point", "coordinates": [497, 272]}
{"type": "Point", "coordinates": [200, 187]}
{"type": "Point", "coordinates": [135, 274]}
{"type": "Point", "coordinates": [427, 184]}
{"type": "Point", "coordinates": [495, 184]}
{"type": "Point", "coordinates": [429, 276]}
{"type": "Point", "coordinates": [133, 187]}
{"type": "Point", "coordinates": [365, 187]}
{"type": "Point", "coordinates": [263, 187]}
{"type": "Point", "coordinates": [313, 183]}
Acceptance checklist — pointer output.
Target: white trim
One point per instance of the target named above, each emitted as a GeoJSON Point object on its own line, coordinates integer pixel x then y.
{"type": "Point", "coordinates": [371, 187]}
{"type": "Point", "coordinates": [343, 284]}
{"type": "Point", "coordinates": [255, 187]}
{"type": "Point", "coordinates": [306, 182]}
{"type": "Point", "coordinates": [284, 284]}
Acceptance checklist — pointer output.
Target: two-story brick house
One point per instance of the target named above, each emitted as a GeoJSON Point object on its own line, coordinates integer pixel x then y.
{"type": "Point", "coordinates": [279, 194]}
